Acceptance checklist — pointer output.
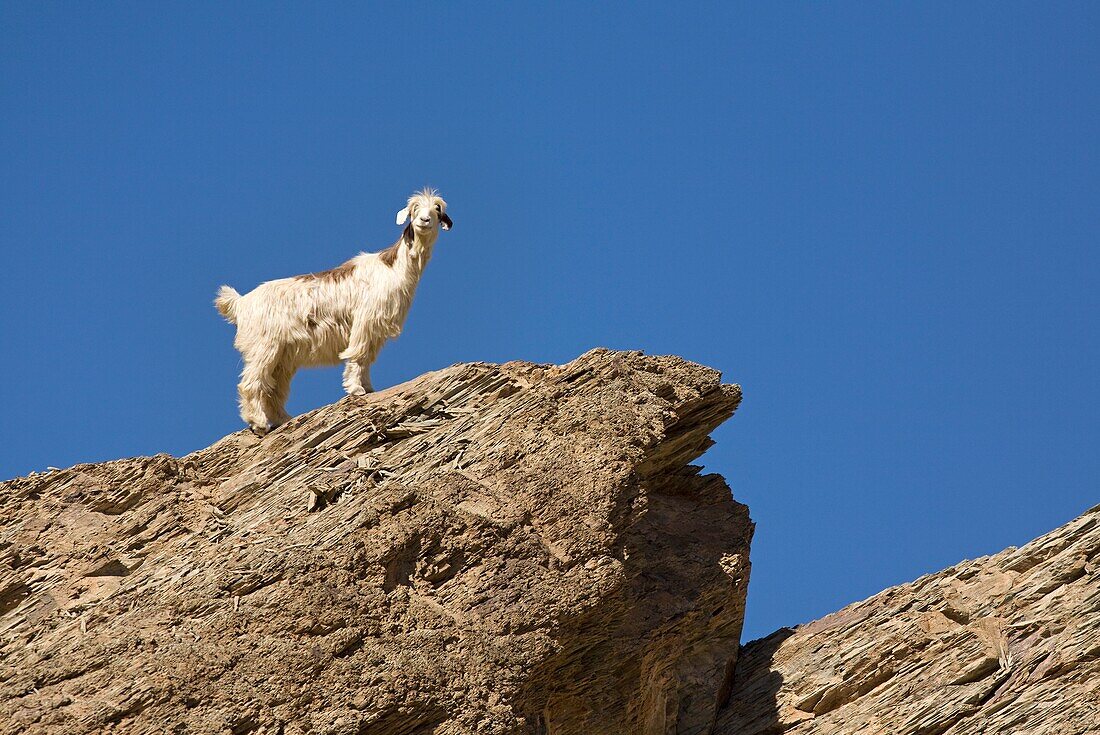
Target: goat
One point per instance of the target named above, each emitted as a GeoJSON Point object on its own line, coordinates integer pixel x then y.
{"type": "Point", "coordinates": [343, 314]}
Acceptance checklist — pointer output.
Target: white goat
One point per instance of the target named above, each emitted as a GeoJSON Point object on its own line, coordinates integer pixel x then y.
{"type": "Point", "coordinates": [346, 313]}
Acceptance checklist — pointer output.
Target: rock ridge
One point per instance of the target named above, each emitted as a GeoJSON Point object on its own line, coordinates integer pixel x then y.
{"type": "Point", "coordinates": [512, 548]}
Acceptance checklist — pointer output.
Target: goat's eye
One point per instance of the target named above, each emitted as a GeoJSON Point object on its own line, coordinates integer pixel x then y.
{"type": "Point", "coordinates": [438, 209]}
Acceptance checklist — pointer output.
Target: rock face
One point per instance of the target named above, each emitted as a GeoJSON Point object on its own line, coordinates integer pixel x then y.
{"type": "Point", "coordinates": [1006, 644]}
{"type": "Point", "coordinates": [491, 549]}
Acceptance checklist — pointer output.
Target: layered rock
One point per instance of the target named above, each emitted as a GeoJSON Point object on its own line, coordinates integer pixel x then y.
{"type": "Point", "coordinates": [1003, 645]}
{"type": "Point", "coordinates": [491, 549]}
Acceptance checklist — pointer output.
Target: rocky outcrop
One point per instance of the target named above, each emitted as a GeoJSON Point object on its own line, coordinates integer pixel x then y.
{"type": "Point", "coordinates": [1003, 645]}
{"type": "Point", "coordinates": [491, 549]}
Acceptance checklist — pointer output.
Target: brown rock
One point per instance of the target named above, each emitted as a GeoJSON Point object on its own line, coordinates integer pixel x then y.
{"type": "Point", "coordinates": [1006, 644]}
{"type": "Point", "coordinates": [490, 549]}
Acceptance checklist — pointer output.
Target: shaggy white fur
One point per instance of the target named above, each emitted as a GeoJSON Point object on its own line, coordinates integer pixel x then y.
{"type": "Point", "coordinates": [343, 314]}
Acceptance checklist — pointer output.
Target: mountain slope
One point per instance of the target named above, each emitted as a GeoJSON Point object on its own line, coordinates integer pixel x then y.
{"type": "Point", "coordinates": [1005, 644]}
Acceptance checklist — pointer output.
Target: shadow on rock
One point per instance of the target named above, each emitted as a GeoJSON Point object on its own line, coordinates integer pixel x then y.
{"type": "Point", "coordinates": [753, 707]}
{"type": "Point", "coordinates": [657, 655]}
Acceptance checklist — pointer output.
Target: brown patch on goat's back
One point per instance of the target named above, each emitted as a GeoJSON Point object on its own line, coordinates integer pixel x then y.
{"type": "Point", "coordinates": [337, 274]}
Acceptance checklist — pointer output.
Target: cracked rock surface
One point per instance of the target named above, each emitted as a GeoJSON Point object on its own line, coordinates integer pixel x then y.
{"type": "Point", "coordinates": [494, 549]}
{"type": "Point", "coordinates": [1003, 645]}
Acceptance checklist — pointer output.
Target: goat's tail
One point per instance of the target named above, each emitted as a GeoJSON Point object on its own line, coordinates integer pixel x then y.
{"type": "Point", "coordinates": [226, 303]}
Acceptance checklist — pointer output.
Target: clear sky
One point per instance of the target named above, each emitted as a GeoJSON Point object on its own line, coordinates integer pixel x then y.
{"type": "Point", "coordinates": [882, 220]}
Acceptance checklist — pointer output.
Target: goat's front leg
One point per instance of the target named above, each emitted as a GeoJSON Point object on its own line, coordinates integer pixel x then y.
{"type": "Point", "coordinates": [357, 378]}
{"type": "Point", "coordinates": [360, 354]}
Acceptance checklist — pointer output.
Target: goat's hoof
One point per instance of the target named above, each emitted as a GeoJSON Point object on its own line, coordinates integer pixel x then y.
{"type": "Point", "coordinates": [360, 391]}
{"type": "Point", "coordinates": [259, 430]}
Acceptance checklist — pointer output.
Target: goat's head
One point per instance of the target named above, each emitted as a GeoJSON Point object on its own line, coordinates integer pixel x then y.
{"type": "Point", "coordinates": [426, 211]}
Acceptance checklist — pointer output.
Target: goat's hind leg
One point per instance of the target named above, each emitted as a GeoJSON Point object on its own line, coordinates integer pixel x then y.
{"type": "Point", "coordinates": [260, 407]}
{"type": "Point", "coordinates": [276, 401]}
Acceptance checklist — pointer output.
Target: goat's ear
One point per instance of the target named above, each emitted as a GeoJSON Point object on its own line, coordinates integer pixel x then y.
{"type": "Point", "coordinates": [445, 221]}
{"type": "Point", "coordinates": [402, 216]}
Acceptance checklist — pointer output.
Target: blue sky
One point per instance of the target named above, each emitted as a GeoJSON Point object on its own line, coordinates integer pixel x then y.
{"type": "Point", "coordinates": [882, 221]}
